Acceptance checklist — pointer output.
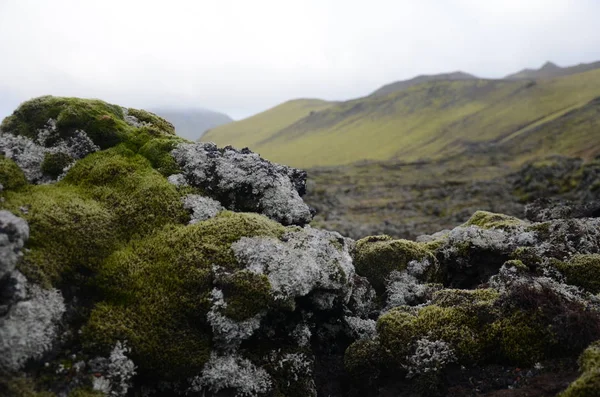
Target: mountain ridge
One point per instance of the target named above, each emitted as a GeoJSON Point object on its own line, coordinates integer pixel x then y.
{"type": "Point", "coordinates": [430, 120]}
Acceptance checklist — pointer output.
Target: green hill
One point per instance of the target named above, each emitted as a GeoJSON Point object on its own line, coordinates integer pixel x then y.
{"type": "Point", "coordinates": [433, 120]}
{"type": "Point", "coordinates": [250, 131]}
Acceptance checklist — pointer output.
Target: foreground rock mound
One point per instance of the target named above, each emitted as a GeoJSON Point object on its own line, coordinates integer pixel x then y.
{"type": "Point", "coordinates": [132, 270]}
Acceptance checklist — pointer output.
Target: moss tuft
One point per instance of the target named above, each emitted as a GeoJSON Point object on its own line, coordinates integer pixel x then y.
{"type": "Point", "coordinates": [158, 151]}
{"type": "Point", "coordinates": [588, 384]}
{"type": "Point", "coordinates": [70, 233]}
{"type": "Point", "coordinates": [157, 292]}
{"type": "Point", "coordinates": [376, 256]}
{"type": "Point", "coordinates": [490, 220]}
{"type": "Point", "coordinates": [521, 339]}
{"type": "Point", "coordinates": [141, 198]}
{"type": "Point", "coordinates": [582, 271]}
{"type": "Point", "coordinates": [54, 164]}
{"type": "Point", "coordinates": [102, 122]}
{"type": "Point", "coordinates": [157, 123]}
{"type": "Point", "coordinates": [11, 176]}
{"type": "Point", "coordinates": [362, 361]}
{"type": "Point", "coordinates": [246, 294]}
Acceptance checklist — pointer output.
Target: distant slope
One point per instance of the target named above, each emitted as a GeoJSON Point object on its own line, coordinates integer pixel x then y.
{"type": "Point", "coordinates": [432, 120]}
{"type": "Point", "coordinates": [550, 70]}
{"type": "Point", "coordinates": [192, 123]}
{"type": "Point", "coordinates": [402, 85]}
{"type": "Point", "coordinates": [249, 132]}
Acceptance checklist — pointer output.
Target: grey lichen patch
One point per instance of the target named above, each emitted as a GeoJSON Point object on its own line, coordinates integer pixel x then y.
{"type": "Point", "coordinates": [232, 371]}
{"type": "Point", "coordinates": [201, 208]}
{"type": "Point", "coordinates": [46, 157]}
{"type": "Point", "coordinates": [299, 263]}
{"type": "Point", "coordinates": [30, 327]}
{"type": "Point", "coordinates": [14, 232]}
{"type": "Point", "coordinates": [243, 181]}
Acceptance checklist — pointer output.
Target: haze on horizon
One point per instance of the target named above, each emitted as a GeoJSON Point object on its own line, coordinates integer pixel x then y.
{"type": "Point", "coordinates": [241, 57]}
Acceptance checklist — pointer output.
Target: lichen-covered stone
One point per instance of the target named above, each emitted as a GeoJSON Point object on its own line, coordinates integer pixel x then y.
{"type": "Point", "coordinates": [14, 231]}
{"type": "Point", "coordinates": [300, 262]}
{"type": "Point", "coordinates": [243, 181]}
{"type": "Point", "coordinates": [202, 208]}
{"type": "Point", "coordinates": [29, 328]}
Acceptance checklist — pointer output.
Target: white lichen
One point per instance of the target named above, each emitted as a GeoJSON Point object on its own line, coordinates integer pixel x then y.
{"type": "Point", "coordinates": [29, 154]}
{"type": "Point", "coordinates": [201, 208]}
{"type": "Point", "coordinates": [232, 372]}
{"type": "Point", "coordinates": [429, 356]}
{"type": "Point", "coordinates": [229, 334]}
{"type": "Point", "coordinates": [361, 328]}
{"type": "Point", "coordinates": [30, 327]}
{"type": "Point", "coordinates": [299, 263]}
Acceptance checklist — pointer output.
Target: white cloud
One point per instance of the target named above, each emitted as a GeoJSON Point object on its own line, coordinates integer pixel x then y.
{"type": "Point", "coordinates": [241, 56]}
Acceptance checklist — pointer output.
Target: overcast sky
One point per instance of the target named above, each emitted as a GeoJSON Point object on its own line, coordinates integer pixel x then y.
{"type": "Point", "coordinates": [243, 56]}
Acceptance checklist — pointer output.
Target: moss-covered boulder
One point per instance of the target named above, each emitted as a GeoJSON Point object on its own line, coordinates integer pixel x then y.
{"type": "Point", "coordinates": [159, 293]}
{"type": "Point", "coordinates": [377, 256]}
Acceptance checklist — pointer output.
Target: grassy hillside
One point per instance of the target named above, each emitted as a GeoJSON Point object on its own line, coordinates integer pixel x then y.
{"type": "Point", "coordinates": [250, 131]}
{"type": "Point", "coordinates": [404, 84]}
{"type": "Point", "coordinates": [433, 120]}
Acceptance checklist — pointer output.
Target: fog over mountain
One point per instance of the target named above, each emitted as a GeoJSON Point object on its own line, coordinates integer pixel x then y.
{"type": "Point", "coordinates": [241, 58]}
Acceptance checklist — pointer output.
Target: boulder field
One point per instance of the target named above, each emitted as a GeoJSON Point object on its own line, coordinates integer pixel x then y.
{"type": "Point", "coordinates": [136, 263]}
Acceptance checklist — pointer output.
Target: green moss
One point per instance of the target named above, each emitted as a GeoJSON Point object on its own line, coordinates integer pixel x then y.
{"type": "Point", "coordinates": [157, 122]}
{"type": "Point", "coordinates": [11, 176]}
{"type": "Point", "coordinates": [464, 297]}
{"type": "Point", "coordinates": [521, 339]}
{"type": "Point", "coordinates": [54, 164]}
{"type": "Point", "coordinates": [86, 393]}
{"type": "Point", "coordinates": [70, 233]}
{"type": "Point", "coordinates": [376, 256]}
{"type": "Point", "coordinates": [541, 229]}
{"type": "Point", "coordinates": [102, 122]}
{"type": "Point", "coordinates": [158, 151]}
{"type": "Point", "coordinates": [397, 330]}
{"type": "Point", "coordinates": [588, 384]}
{"type": "Point", "coordinates": [246, 294]}
{"type": "Point", "coordinates": [141, 198]}
{"type": "Point", "coordinates": [157, 292]}
{"type": "Point", "coordinates": [362, 360]}
{"type": "Point", "coordinates": [582, 271]}
{"type": "Point", "coordinates": [21, 387]}
{"type": "Point", "coordinates": [517, 264]}
{"type": "Point", "coordinates": [489, 220]}
{"type": "Point", "coordinates": [528, 256]}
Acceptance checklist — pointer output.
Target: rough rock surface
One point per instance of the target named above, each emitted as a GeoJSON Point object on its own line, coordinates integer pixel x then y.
{"type": "Point", "coordinates": [243, 181]}
{"type": "Point", "coordinates": [29, 315]}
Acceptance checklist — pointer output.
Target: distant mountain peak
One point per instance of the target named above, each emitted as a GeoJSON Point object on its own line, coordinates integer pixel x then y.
{"type": "Point", "coordinates": [550, 66]}
{"type": "Point", "coordinates": [552, 70]}
{"type": "Point", "coordinates": [423, 78]}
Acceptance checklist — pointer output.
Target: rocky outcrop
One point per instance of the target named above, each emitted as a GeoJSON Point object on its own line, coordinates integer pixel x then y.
{"type": "Point", "coordinates": [243, 181]}
{"type": "Point", "coordinates": [160, 267]}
